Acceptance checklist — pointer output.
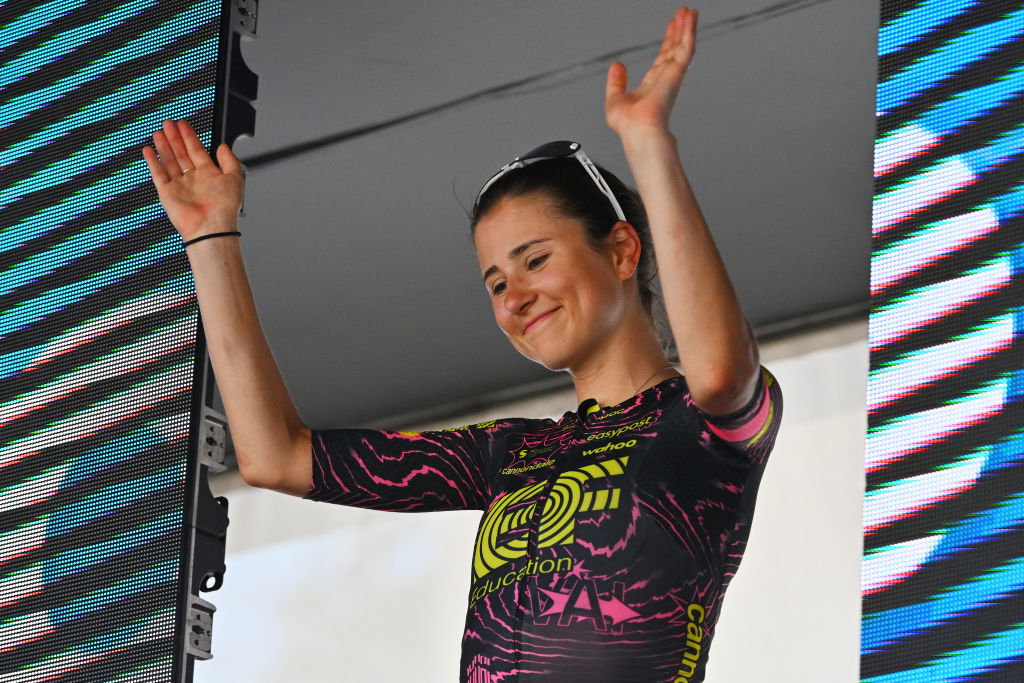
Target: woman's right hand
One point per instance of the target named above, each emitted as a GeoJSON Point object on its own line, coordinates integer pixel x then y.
{"type": "Point", "coordinates": [199, 197]}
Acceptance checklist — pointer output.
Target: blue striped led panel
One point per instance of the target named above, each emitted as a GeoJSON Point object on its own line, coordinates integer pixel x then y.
{"type": "Point", "coordinates": [943, 567]}
{"type": "Point", "coordinates": [98, 334]}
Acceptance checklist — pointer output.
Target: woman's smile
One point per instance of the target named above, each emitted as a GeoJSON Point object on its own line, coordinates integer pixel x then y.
{"type": "Point", "coordinates": [538, 320]}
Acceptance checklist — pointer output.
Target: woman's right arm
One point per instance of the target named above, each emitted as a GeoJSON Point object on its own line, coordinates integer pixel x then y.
{"type": "Point", "coordinates": [271, 441]}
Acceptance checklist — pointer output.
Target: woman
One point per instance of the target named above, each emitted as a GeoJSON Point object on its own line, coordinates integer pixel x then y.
{"type": "Point", "coordinates": [610, 535]}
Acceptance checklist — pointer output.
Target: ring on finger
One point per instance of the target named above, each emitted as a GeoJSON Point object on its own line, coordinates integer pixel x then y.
{"type": "Point", "coordinates": [186, 170]}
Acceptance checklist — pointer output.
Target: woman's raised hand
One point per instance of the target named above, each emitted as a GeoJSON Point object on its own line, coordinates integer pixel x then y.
{"type": "Point", "coordinates": [650, 103]}
{"type": "Point", "coordinates": [199, 197]}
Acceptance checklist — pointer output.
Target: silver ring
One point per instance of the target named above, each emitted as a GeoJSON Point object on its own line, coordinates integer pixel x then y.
{"type": "Point", "coordinates": [187, 170]}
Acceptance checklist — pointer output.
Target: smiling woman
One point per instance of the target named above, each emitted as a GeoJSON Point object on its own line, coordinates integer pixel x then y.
{"type": "Point", "coordinates": [610, 535]}
{"type": "Point", "coordinates": [551, 239]}
{"type": "Point", "coordinates": [553, 296]}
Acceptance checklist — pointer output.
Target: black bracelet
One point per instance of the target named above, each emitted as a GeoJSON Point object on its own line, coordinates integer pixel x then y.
{"type": "Point", "coordinates": [212, 234]}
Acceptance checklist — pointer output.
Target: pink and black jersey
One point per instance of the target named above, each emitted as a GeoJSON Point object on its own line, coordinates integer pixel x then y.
{"type": "Point", "coordinates": [608, 537]}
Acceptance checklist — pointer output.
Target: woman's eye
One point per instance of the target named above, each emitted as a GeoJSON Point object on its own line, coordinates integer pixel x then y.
{"type": "Point", "coordinates": [497, 288]}
{"type": "Point", "coordinates": [537, 261]}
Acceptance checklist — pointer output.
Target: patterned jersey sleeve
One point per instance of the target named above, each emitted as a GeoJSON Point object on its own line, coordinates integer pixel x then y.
{"type": "Point", "coordinates": [751, 430]}
{"type": "Point", "coordinates": [399, 471]}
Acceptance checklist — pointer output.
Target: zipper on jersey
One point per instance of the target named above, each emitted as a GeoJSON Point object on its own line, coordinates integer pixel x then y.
{"type": "Point", "coordinates": [533, 531]}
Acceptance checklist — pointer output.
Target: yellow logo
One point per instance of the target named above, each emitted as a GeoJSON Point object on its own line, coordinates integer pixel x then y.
{"type": "Point", "coordinates": [504, 531]}
{"type": "Point", "coordinates": [612, 433]}
{"type": "Point", "coordinates": [694, 636]}
{"type": "Point", "coordinates": [611, 447]}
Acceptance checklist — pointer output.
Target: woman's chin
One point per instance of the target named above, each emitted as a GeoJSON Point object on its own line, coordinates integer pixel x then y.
{"type": "Point", "coordinates": [544, 352]}
{"type": "Point", "coordinates": [549, 361]}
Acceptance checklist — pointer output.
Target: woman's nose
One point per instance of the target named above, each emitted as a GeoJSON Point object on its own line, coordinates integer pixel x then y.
{"type": "Point", "coordinates": [518, 297]}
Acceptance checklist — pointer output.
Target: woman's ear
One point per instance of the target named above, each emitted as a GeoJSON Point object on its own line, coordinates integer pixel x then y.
{"type": "Point", "coordinates": [626, 248]}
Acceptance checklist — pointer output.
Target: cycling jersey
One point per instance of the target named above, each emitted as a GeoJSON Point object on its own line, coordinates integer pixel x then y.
{"type": "Point", "coordinates": [608, 536]}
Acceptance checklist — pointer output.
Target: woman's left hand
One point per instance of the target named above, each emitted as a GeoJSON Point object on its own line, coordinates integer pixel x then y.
{"type": "Point", "coordinates": [650, 103]}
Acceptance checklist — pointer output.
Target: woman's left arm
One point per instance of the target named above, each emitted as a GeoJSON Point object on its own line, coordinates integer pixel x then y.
{"type": "Point", "coordinates": [717, 348]}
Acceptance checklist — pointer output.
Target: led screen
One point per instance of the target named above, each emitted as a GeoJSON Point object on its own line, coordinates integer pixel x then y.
{"type": "Point", "coordinates": [943, 566]}
{"type": "Point", "coordinates": [98, 336]}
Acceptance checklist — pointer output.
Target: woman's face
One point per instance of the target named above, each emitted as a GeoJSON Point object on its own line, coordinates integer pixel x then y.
{"type": "Point", "coordinates": [554, 296]}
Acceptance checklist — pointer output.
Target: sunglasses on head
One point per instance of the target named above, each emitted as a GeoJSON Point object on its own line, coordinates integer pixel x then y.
{"type": "Point", "coordinates": [560, 149]}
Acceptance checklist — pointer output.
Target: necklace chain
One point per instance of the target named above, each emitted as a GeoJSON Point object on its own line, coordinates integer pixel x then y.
{"type": "Point", "coordinates": [643, 386]}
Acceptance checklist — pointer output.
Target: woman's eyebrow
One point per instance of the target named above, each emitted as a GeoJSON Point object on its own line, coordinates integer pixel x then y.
{"type": "Point", "coordinates": [516, 252]}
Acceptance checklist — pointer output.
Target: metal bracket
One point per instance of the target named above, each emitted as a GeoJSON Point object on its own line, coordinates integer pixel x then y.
{"type": "Point", "coordinates": [200, 628]}
{"type": "Point", "coordinates": [244, 16]}
{"type": "Point", "coordinates": [212, 441]}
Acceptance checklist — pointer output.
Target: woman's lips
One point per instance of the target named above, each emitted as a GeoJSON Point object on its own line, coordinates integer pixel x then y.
{"type": "Point", "coordinates": [538, 319]}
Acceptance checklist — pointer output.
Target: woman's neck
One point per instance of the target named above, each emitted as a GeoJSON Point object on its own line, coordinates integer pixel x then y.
{"type": "Point", "coordinates": [628, 363]}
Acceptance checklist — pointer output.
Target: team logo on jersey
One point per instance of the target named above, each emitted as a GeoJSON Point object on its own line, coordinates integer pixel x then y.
{"type": "Point", "coordinates": [537, 451]}
{"type": "Point", "coordinates": [582, 602]}
{"type": "Point", "coordinates": [695, 633]}
{"type": "Point", "coordinates": [504, 531]}
{"type": "Point", "coordinates": [479, 670]}
{"type": "Point", "coordinates": [529, 459]}
{"type": "Point", "coordinates": [616, 431]}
